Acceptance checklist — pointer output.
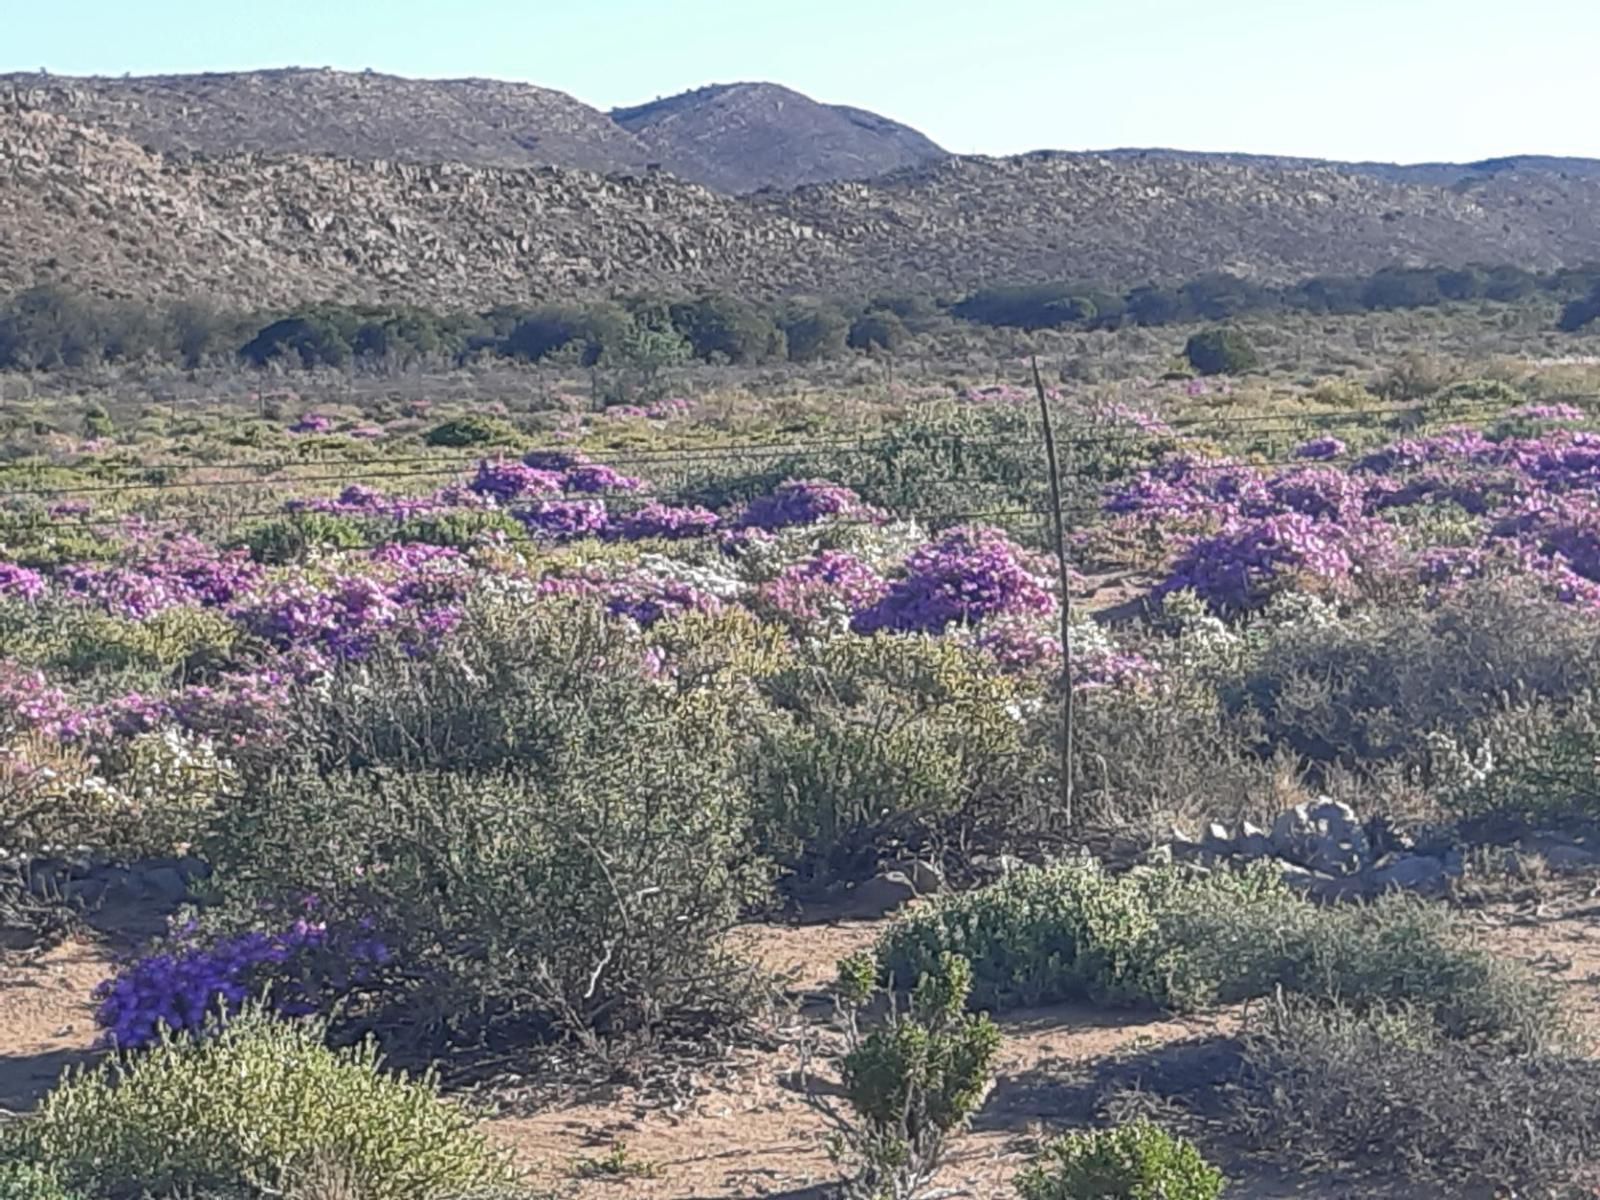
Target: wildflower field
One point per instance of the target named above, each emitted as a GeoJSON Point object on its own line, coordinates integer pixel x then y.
{"type": "Point", "coordinates": [496, 744]}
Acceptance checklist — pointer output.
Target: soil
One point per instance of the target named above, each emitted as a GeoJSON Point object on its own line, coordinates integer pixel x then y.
{"type": "Point", "coordinates": [741, 1127]}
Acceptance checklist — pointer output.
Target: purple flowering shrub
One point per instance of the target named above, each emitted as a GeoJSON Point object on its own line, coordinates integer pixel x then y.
{"type": "Point", "coordinates": [964, 577]}
{"type": "Point", "coordinates": [184, 986]}
{"type": "Point", "coordinates": [804, 502]}
{"type": "Point", "coordinates": [829, 588]}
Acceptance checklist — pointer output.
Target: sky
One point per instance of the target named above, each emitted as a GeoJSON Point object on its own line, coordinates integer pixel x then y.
{"type": "Point", "coordinates": [1401, 80]}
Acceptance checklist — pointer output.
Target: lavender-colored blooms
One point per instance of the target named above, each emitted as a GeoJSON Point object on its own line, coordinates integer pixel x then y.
{"type": "Point", "coordinates": [803, 502]}
{"type": "Point", "coordinates": [20, 583]}
{"type": "Point", "coordinates": [966, 576]}
{"type": "Point", "coordinates": [656, 520]}
{"type": "Point", "coordinates": [564, 520]}
{"type": "Point", "coordinates": [510, 480]}
{"type": "Point", "coordinates": [597, 477]}
{"type": "Point", "coordinates": [181, 988]}
{"type": "Point", "coordinates": [832, 584]}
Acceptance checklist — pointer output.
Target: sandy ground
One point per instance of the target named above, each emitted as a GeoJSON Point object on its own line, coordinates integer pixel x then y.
{"type": "Point", "coordinates": [743, 1128]}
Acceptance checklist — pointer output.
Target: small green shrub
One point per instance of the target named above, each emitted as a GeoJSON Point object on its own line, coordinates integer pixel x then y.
{"type": "Point", "coordinates": [911, 1082]}
{"type": "Point", "coordinates": [29, 1181]}
{"type": "Point", "coordinates": [1385, 1092]}
{"type": "Point", "coordinates": [256, 1106]}
{"type": "Point", "coordinates": [1185, 941]}
{"type": "Point", "coordinates": [290, 539]}
{"type": "Point", "coordinates": [1131, 1162]}
{"type": "Point", "coordinates": [472, 431]}
{"type": "Point", "coordinates": [876, 737]}
{"type": "Point", "coordinates": [1221, 352]}
{"type": "Point", "coordinates": [460, 530]}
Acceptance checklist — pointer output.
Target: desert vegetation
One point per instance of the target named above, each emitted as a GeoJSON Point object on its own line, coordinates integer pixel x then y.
{"type": "Point", "coordinates": [462, 745]}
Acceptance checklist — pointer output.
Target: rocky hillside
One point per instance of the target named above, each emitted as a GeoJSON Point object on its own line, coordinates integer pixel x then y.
{"type": "Point", "coordinates": [737, 138]}
{"type": "Point", "coordinates": [743, 136]}
{"type": "Point", "coordinates": [85, 208]}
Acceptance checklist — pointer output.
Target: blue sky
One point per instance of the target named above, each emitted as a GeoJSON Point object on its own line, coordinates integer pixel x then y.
{"type": "Point", "coordinates": [1400, 80]}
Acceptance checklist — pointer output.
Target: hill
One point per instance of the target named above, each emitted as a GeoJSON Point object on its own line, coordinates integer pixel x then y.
{"type": "Point", "coordinates": [744, 136]}
{"type": "Point", "coordinates": [85, 208]}
{"type": "Point", "coordinates": [736, 138]}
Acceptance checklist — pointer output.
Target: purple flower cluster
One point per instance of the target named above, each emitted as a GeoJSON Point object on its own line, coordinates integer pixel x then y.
{"type": "Point", "coordinates": [647, 599]}
{"type": "Point", "coordinates": [564, 520]}
{"type": "Point", "coordinates": [830, 584]}
{"type": "Point", "coordinates": [415, 590]}
{"type": "Point", "coordinates": [1239, 567]}
{"type": "Point", "coordinates": [312, 423]}
{"type": "Point", "coordinates": [803, 502]}
{"type": "Point", "coordinates": [510, 480]}
{"type": "Point", "coordinates": [597, 477]}
{"type": "Point", "coordinates": [17, 582]}
{"type": "Point", "coordinates": [180, 989]}
{"type": "Point", "coordinates": [964, 577]}
{"type": "Point", "coordinates": [656, 520]}
{"type": "Point", "coordinates": [155, 574]}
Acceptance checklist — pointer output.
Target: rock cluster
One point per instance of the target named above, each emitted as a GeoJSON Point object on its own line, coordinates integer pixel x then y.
{"type": "Point", "coordinates": [1324, 849]}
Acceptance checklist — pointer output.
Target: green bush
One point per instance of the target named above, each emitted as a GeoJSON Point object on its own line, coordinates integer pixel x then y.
{"type": "Point", "coordinates": [278, 541]}
{"type": "Point", "coordinates": [461, 530]}
{"type": "Point", "coordinates": [1221, 352]}
{"type": "Point", "coordinates": [545, 846]}
{"type": "Point", "coordinates": [1185, 941]}
{"type": "Point", "coordinates": [814, 332]}
{"type": "Point", "coordinates": [260, 1106]}
{"type": "Point", "coordinates": [1385, 1093]}
{"type": "Point", "coordinates": [472, 431]}
{"type": "Point", "coordinates": [881, 737]}
{"type": "Point", "coordinates": [1070, 932]}
{"type": "Point", "coordinates": [29, 1181]}
{"type": "Point", "coordinates": [913, 1081]}
{"type": "Point", "coordinates": [877, 331]}
{"type": "Point", "coordinates": [1131, 1162]}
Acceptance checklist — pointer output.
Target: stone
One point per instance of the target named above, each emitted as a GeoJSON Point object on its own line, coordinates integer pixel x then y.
{"type": "Point", "coordinates": [1411, 873]}
{"type": "Point", "coordinates": [1323, 835]}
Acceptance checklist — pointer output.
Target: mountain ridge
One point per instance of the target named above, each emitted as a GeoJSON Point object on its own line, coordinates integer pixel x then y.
{"type": "Point", "coordinates": [93, 211]}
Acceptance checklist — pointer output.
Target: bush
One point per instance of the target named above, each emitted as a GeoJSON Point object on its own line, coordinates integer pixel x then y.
{"type": "Point", "coordinates": [261, 1106]}
{"type": "Point", "coordinates": [879, 738]}
{"type": "Point", "coordinates": [1360, 690]}
{"type": "Point", "coordinates": [1221, 352]}
{"type": "Point", "coordinates": [472, 431]}
{"type": "Point", "coordinates": [911, 1082]}
{"type": "Point", "coordinates": [28, 1181]}
{"type": "Point", "coordinates": [729, 329]}
{"type": "Point", "coordinates": [1385, 1092]}
{"type": "Point", "coordinates": [542, 845]}
{"type": "Point", "coordinates": [303, 341]}
{"type": "Point", "coordinates": [877, 331]}
{"type": "Point", "coordinates": [279, 541]}
{"type": "Point", "coordinates": [1072, 932]}
{"type": "Point", "coordinates": [1131, 1162]}
{"type": "Point", "coordinates": [461, 530]}
{"type": "Point", "coordinates": [815, 332]}
{"type": "Point", "coordinates": [1579, 314]}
